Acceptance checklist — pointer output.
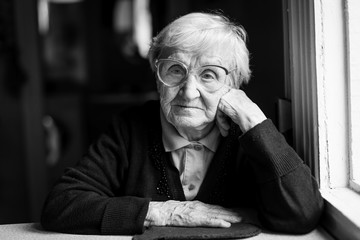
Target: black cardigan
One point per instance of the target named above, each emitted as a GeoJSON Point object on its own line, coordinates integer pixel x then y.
{"type": "Point", "coordinates": [109, 190]}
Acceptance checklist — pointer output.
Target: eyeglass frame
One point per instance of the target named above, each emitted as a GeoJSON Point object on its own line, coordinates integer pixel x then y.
{"type": "Point", "coordinates": [227, 72]}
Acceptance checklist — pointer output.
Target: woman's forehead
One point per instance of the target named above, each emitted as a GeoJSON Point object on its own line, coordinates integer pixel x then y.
{"type": "Point", "coordinates": [213, 55]}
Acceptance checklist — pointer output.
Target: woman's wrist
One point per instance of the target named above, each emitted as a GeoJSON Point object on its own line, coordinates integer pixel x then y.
{"type": "Point", "coordinates": [159, 213]}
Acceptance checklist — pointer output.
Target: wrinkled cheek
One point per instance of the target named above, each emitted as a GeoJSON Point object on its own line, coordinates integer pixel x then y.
{"type": "Point", "coordinates": [212, 106]}
{"type": "Point", "coordinates": [211, 109]}
{"type": "Point", "coordinates": [210, 115]}
{"type": "Point", "coordinates": [212, 100]}
{"type": "Point", "coordinates": [166, 96]}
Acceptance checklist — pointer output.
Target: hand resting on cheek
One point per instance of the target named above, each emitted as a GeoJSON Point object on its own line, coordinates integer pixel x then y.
{"type": "Point", "coordinates": [237, 106]}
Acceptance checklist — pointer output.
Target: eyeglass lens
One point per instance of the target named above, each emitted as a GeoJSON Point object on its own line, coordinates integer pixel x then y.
{"type": "Point", "coordinates": [173, 73]}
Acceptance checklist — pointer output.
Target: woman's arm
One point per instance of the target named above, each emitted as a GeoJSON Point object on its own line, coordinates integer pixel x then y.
{"type": "Point", "coordinates": [84, 200]}
{"type": "Point", "coordinates": [289, 198]}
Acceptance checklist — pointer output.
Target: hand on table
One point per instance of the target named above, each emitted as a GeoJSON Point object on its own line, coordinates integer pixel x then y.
{"type": "Point", "coordinates": [189, 214]}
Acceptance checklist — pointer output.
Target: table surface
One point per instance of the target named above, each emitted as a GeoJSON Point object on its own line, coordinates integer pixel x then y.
{"type": "Point", "coordinates": [29, 231]}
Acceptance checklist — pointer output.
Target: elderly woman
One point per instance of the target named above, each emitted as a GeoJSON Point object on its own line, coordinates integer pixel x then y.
{"type": "Point", "coordinates": [190, 159]}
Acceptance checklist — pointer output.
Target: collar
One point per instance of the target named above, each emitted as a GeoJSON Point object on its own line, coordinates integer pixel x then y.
{"type": "Point", "coordinates": [172, 140]}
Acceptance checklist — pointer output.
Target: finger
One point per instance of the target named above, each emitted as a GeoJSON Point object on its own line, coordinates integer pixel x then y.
{"type": "Point", "coordinates": [213, 222]}
{"type": "Point", "coordinates": [213, 211]}
{"type": "Point", "coordinates": [229, 218]}
{"type": "Point", "coordinates": [218, 208]}
{"type": "Point", "coordinates": [222, 123]}
{"type": "Point", "coordinates": [219, 212]}
{"type": "Point", "coordinates": [225, 107]}
{"type": "Point", "coordinates": [226, 216]}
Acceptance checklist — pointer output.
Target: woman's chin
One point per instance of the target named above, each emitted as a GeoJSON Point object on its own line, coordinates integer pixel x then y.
{"type": "Point", "coordinates": [189, 122]}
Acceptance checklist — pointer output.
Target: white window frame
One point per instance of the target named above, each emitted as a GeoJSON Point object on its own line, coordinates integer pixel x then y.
{"type": "Point", "coordinates": [318, 68]}
{"type": "Point", "coordinates": [352, 9]}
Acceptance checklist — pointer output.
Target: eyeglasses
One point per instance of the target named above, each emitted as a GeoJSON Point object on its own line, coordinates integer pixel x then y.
{"type": "Point", "coordinates": [173, 73]}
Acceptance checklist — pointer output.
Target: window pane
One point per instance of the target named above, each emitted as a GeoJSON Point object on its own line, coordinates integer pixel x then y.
{"type": "Point", "coordinates": [354, 85]}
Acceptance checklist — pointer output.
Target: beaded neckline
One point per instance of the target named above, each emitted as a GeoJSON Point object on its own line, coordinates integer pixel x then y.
{"type": "Point", "coordinates": [157, 156]}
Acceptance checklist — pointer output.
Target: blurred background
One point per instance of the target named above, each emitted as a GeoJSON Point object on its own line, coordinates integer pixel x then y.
{"type": "Point", "coordinates": [66, 66]}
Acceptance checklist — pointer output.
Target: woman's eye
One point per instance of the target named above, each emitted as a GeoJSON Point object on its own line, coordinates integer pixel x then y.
{"type": "Point", "coordinates": [177, 70]}
{"type": "Point", "coordinates": [208, 75]}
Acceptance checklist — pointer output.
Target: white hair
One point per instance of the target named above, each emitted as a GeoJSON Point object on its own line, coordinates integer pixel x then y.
{"type": "Point", "coordinates": [197, 32]}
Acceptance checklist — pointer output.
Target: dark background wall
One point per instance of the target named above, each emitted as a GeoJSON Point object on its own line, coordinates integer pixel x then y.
{"type": "Point", "coordinates": [84, 78]}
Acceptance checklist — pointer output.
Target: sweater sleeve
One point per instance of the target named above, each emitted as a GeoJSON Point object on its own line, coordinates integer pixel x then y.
{"type": "Point", "coordinates": [86, 199]}
{"type": "Point", "coordinates": [289, 198]}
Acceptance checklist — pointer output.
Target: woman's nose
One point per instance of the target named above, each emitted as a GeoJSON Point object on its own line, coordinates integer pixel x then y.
{"type": "Point", "coordinates": [190, 90]}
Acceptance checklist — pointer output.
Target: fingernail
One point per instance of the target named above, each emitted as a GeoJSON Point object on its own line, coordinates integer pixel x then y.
{"type": "Point", "coordinates": [226, 224]}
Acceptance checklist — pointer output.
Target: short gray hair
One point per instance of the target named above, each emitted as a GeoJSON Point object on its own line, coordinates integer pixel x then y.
{"type": "Point", "coordinates": [197, 32]}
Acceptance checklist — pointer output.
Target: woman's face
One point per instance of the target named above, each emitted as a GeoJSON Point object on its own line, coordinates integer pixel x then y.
{"type": "Point", "coordinates": [190, 105]}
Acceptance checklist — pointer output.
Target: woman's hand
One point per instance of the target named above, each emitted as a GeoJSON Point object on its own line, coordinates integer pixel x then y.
{"type": "Point", "coordinates": [236, 105]}
{"type": "Point", "coordinates": [189, 214]}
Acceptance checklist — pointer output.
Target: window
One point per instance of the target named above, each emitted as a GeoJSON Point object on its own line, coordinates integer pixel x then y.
{"type": "Point", "coordinates": [353, 31]}
{"type": "Point", "coordinates": [338, 92]}
{"type": "Point", "coordinates": [324, 68]}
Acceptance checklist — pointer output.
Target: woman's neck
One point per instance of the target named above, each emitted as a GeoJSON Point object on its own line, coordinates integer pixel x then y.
{"type": "Point", "coordinates": [195, 134]}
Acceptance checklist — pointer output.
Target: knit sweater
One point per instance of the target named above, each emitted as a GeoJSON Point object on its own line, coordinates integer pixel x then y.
{"type": "Point", "coordinates": [109, 190]}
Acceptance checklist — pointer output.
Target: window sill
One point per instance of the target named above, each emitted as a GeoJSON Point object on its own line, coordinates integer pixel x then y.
{"type": "Point", "coordinates": [342, 211]}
